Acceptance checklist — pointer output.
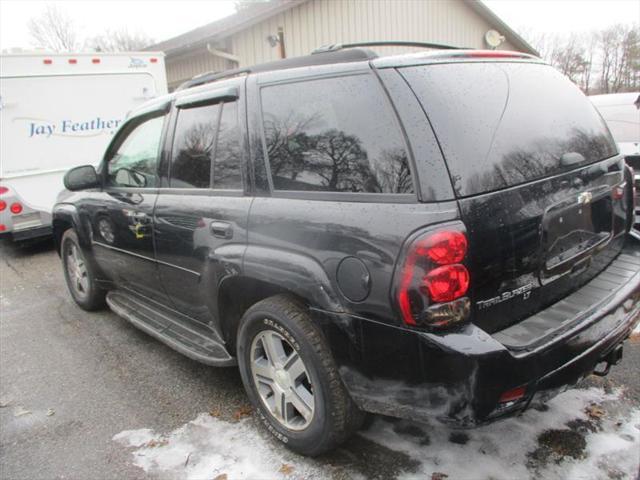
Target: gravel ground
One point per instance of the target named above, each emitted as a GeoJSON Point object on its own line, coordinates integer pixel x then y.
{"type": "Point", "coordinates": [70, 381]}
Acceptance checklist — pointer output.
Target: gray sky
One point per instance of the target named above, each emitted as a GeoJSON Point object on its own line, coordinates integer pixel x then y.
{"type": "Point", "coordinates": [159, 19]}
{"type": "Point", "coordinates": [162, 19]}
{"type": "Point", "coordinates": [565, 16]}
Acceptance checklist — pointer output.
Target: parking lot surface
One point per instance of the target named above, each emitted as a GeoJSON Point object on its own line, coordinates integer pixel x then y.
{"type": "Point", "coordinates": [86, 395]}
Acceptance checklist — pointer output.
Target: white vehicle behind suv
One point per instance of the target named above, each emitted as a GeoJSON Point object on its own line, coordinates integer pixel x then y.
{"type": "Point", "coordinates": [58, 111]}
{"type": "Point", "coordinates": [621, 111]}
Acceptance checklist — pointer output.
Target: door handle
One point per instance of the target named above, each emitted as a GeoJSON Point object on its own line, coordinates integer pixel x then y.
{"type": "Point", "coordinates": [221, 230]}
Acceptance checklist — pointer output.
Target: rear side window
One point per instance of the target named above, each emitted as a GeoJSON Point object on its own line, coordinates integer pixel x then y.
{"type": "Point", "coordinates": [227, 174]}
{"type": "Point", "coordinates": [206, 148]}
{"type": "Point", "coordinates": [502, 124]}
{"type": "Point", "coordinates": [334, 135]}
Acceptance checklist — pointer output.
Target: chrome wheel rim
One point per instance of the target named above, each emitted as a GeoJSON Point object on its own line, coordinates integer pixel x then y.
{"type": "Point", "coordinates": [77, 270]}
{"type": "Point", "coordinates": [282, 380]}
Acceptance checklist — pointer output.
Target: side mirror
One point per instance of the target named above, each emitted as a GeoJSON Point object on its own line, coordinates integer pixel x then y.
{"type": "Point", "coordinates": [81, 178]}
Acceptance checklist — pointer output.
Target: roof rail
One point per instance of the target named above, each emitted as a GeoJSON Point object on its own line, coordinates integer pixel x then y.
{"type": "Point", "coordinates": [339, 46]}
{"type": "Point", "coordinates": [211, 77]}
{"type": "Point", "coordinates": [326, 58]}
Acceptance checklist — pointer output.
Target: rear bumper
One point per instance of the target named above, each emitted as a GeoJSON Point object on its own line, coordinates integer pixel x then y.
{"type": "Point", "coordinates": [30, 233]}
{"type": "Point", "coordinates": [459, 377]}
{"type": "Point", "coordinates": [27, 225]}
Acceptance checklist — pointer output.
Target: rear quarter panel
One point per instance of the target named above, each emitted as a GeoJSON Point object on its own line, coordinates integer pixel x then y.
{"type": "Point", "coordinates": [327, 232]}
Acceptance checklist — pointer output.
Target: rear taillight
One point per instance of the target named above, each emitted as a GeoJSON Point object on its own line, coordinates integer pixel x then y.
{"type": "Point", "coordinates": [3, 205]}
{"type": "Point", "coordinates": [433, 280]}
{"type": "Point", "coordinates": [447, 283]}
{"type": "Point", "coordinates": [15, 208]}
{"type": "Point", "coordinates": [444, 247]}
{"type": "Point", "coordinates": [513, 395]}
{"type": "Point", "coordinates": [3, 190]}
{"type": "Point", "coordinates": [3, 227]}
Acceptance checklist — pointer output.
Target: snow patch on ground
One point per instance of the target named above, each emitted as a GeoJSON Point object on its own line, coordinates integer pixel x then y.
{"type": "Point", "coordinates": [503, 450]}
{"type": "Point", "coordinates": [208, 447]}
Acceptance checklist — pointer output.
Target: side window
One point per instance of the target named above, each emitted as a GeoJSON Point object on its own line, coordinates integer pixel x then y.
{"type": "Point", "coordinates": [227, 168]}
{"type": "Point", "coordinates": [334, 135]}
{"type": "Point", "coordinates": [193, 147]}
{"type": "Point", "coordinates": [134, 163]}
{"type": "Point", "coordinates": [206, 148]}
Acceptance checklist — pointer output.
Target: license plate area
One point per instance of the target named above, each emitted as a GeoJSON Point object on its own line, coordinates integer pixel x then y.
{"type": "Point", "coordinates": [26, 220]}
{"type": "Point", "coordinates": [573, 230]}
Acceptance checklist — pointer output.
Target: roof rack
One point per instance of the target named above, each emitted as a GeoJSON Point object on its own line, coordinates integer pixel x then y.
{"type": "Point", "coordinates": [209, 77]}
{"type": "Point", "coordinates": [324, 58]}
{"type": "Point", "coordinates": [327, 54]}
{"type": "Point", "coordinates": [334, 47]}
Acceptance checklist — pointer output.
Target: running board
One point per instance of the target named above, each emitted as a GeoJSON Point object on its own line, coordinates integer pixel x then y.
{"type": "Point", "coordinates": [191, 338]}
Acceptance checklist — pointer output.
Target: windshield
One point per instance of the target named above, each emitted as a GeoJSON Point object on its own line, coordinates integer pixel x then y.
{"type": "Point", "coordinates": [502, 124]}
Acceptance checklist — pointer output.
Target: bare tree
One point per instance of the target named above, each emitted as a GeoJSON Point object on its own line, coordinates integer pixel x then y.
{"type": "Point", "coordinates": [620, 66]}
{"type": "Point", "coordinates": [569, 57]}
{"type": "Point", "coordinates": [53, 30]}
{"type": "Point", "coordinates": [118, 41]}
{"type": "Point", "coordinates": [605, 61]}
{"type": "Point", "coordinates": [589, 57]}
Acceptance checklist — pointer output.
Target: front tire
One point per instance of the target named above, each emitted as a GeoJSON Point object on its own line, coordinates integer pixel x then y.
{"type": "Point", "coordinates": [79, 274]}
{"type": "Point", "coordinates": [291, 378]}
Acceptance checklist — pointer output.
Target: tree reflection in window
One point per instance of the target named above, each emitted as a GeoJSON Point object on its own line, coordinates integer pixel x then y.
{"type": "Point", "coordinates": [193, 147]}
{"type": "Point", "coordinates": [227, 168]}
{"type": "Point", "coordinates": [335, 135]}
{"type": "Point", "coordinates": [197, 143]}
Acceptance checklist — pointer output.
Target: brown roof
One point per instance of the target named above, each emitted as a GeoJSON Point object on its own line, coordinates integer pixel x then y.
{"type": "Point", "coordinates": [226, 26]}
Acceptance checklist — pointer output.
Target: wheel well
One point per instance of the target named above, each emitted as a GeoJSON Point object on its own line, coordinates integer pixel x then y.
{"type": "Point", "coordinates": [236, 296]}
{"type": "Point", "coordinates": [59, 227]}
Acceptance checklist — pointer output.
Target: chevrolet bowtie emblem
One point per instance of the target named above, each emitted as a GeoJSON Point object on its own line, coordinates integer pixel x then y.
{"type": "Point", "coordinates": [584, 198]}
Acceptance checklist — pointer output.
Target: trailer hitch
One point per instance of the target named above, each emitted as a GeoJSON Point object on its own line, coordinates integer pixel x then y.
{"type": "Point", "coordinates": [612, 358]}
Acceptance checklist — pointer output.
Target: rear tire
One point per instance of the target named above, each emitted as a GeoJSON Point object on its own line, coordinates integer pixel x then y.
{"type": "Point", "coordinates": [80, 274]}
{"type": "Point", "coordinates": [315, 412]}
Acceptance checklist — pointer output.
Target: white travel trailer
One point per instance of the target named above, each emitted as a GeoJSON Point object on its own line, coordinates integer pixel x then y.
{"type": "Point", "coordinates": [58, 111]}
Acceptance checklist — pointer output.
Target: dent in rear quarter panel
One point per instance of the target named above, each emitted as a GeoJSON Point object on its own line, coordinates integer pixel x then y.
{"type": "Point", "coordinates": [327, 232]}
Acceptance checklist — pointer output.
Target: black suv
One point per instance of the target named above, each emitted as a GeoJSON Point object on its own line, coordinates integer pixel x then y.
{"type": "Point", "coordinates": [434, 235]}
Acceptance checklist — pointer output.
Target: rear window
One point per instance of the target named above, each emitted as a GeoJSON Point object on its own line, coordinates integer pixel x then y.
{"type": "Point", "coordinates": [503, 124]}
{"type": "Point", "coordinates": [334, 135]}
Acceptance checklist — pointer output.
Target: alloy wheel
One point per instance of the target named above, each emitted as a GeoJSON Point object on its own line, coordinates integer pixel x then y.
{"type": "Point", "coordinates": [77, 270]}
{"type": "Point", "coordinates": [282, 380]}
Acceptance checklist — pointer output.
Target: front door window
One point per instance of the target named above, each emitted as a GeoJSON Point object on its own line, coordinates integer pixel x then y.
{"type": "Point", "coordinates": [135, 160]}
